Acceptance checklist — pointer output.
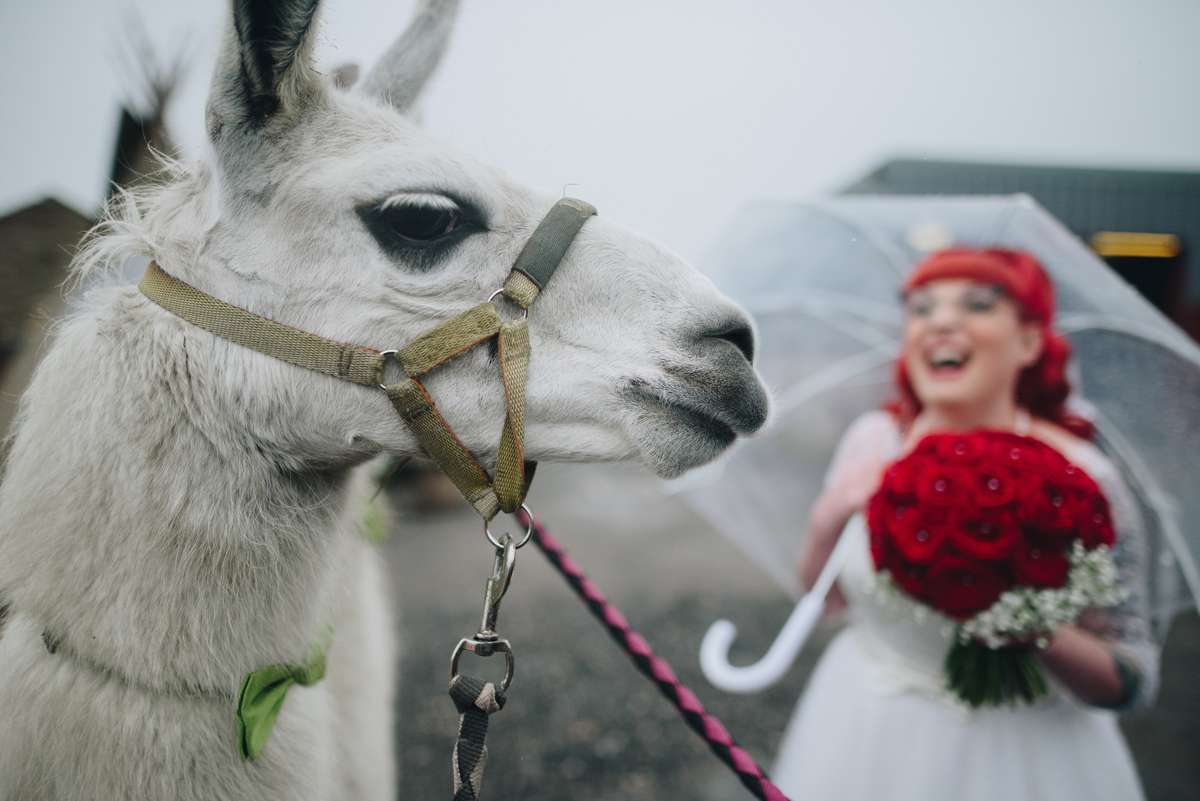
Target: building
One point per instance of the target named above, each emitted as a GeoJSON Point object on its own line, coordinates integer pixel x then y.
{"type": "Point", "coordinates": [36, 243]}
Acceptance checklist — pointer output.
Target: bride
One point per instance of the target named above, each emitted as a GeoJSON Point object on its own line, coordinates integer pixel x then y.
{"type": "Point", "coordinates": [875, 722]}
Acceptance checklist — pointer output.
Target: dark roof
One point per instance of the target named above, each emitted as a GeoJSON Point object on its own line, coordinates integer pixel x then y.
{"type": "Point", "coordinates": [1085, 200]}
{"type": "Point", "coordinates": [36, 244]}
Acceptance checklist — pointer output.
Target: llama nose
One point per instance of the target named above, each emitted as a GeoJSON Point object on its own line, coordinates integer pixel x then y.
{"type": "Point", "coordinates": [737, 332]}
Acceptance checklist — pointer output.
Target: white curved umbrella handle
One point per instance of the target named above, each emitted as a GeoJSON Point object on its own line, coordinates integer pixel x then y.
{"type": "Point", "coordinates": [714, 649]}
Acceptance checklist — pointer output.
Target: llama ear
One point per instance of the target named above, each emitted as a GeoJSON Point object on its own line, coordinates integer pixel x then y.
{"type": "Point", "coordinates": [401, 73]}
{"type": "Point", "coordinates": [265, 67]}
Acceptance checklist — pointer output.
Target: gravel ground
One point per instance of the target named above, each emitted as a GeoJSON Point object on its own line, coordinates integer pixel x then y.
{"type": "Point", "coordinates": [580, 720]}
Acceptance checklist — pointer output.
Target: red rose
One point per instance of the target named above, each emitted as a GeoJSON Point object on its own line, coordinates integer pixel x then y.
{"type": "Point", "coordinates": [941, 485]}
{"type": "Point", "coordinates": [1031, 499]}
{"type": "Point", "coordinates": [1010, 449]}
{"type": "Point", "coordinates": [877, 507]}
{"type": "Point", "coordinates": [1041, 562]}
{"type": "Point", "coordinates": [961, 588]}
{"type": "Point", "coordinates": [916, 533]}
{"type": "Point", "coordinates": [993, 485]}
{"type": "Point", "coordinates": [887, 557]}
{"type": "Point", "coordinates": [1050, 507]}
{"type": "Point", "coordinates": [1075, 478]}
{"type": "Point", "coordinates": [1072, 505]}
{"type": "Point", "coordinates": [910, 578]}
{"type": "Point", "coordinates": [927, 446]}
{"type": "Point", "coordinates": [989, 536]}
{"type": "Point", "coordinates": [957, 449]}
{"type": "Point", "coordinates": [899, 480]}
{"type": "Point", "coordinates": [1028, 454]}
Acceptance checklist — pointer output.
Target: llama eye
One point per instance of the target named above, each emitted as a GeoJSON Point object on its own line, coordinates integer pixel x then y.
{"type": "Point", "coordinates": [416, 224]}
{"type": "Point", "coordinates": [422, 223]}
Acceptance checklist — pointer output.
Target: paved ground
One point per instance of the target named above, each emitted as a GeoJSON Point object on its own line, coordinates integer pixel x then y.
{"type": "Point", "coordinates": [581, 723]}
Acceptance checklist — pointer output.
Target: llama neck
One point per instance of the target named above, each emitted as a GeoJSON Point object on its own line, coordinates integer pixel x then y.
{"type": "Point", "coordinates": [144, 521]}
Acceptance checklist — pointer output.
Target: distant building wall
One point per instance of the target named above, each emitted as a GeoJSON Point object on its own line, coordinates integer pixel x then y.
{"type": "Point", "coordinates": [36, 244]}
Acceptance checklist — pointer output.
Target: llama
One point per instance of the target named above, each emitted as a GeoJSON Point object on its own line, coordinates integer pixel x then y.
{"type": "Point", "coordinates": [178, 511]}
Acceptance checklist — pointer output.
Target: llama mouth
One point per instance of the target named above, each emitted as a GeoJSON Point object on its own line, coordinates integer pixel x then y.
{"type": "Point", "coordinates": [675, 435]}
{"type": "Point", "coordinates": [693, 418]}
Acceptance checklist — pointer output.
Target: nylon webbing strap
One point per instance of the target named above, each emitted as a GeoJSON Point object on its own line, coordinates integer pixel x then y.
{"type": "Point", "coordinates": [447, 340]}
{"type": "Point", "coordinates": [545, 250]}
{"type": "Point", "coordinates": [414, 405]}
{"type": "Point", "coordinates": [337, 359]}
{"type": "Point", "coordinates": [511, 482]}
{"type": "Point", "coordinates": [475, 700]}
{"type": "Point", "coordinates": [534, 266]}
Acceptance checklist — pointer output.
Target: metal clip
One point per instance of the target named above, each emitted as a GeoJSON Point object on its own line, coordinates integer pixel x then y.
{"type": "Point", "coordinates": [486, 641]}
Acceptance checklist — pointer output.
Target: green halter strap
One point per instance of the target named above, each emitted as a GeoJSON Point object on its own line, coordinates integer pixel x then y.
{"type": "Point", "coordinates": [365, 366]}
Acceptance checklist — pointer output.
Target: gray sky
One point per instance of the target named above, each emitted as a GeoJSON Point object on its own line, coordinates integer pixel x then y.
{"type": "Point", "coordinates": [670, 114]}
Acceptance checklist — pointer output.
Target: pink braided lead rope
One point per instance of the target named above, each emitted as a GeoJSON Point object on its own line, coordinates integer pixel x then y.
{"type": "Point", "coordinates": [655, 668]}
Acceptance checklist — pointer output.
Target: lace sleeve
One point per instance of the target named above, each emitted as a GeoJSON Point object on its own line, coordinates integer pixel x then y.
{"type": "Point", "coordinates": [1127, 626]}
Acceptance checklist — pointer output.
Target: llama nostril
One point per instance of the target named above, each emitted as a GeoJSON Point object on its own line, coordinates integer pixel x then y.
{"type": "Point", "coordinates": [737, 333]}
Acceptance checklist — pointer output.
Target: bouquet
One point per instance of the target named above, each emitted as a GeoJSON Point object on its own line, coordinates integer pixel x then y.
{"type": "Point", "coordinates": [1003, 536]}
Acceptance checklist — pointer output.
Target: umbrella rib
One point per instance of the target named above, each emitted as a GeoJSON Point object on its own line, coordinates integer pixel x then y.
{"type": "Point", "coordinates": [830, 376]}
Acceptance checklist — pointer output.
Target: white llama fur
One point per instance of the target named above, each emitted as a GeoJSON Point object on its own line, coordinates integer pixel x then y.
{"type": "Point", "coordinates": [179, 511]}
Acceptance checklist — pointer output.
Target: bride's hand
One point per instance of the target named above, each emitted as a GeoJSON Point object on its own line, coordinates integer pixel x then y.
{"type": "Point", "coordinates": [829, 516]}
{"type": "Point", "coordinates": [809, 568]}
{"type": "Point", "coordinates": [850, 485]}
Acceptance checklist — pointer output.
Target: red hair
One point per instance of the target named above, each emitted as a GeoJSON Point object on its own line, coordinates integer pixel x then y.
{"type": "Point", "coordinates": [1042, 387]}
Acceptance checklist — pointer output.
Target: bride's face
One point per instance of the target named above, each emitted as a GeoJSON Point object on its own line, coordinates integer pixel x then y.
{"type": "Point", "coordinates": [965, 342]}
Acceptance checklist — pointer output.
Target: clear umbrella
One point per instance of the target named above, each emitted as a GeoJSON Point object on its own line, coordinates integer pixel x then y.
{"type": "Point", "coordinates": [823, 279]}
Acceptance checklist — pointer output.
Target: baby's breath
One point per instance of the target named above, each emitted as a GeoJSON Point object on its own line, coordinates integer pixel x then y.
{"type": "Point", "coordinates": [1025, 614]}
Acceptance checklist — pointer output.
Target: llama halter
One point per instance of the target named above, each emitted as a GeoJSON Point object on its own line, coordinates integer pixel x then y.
{"type": "Point", "coordinates": [263, 690]}
{"type": "Point", "coordinates": [535, 265]}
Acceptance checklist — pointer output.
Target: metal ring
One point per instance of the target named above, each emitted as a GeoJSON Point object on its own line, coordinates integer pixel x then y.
{"type": "Point", "coordinates": [485, 648]}
{"type": "Point", "coordinates": [383, 356]}
{"type": "Point", "coordinates": [528, 531]}
{"type": "Point", "coordinates": [492, 297]}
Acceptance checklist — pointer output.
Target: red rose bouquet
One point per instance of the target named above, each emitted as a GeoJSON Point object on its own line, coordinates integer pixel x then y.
{"type": "Point", "coordinates": [1005, 538]}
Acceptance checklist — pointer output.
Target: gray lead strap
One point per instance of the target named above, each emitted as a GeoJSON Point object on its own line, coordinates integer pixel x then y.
{"type": "Point", "coordinates": [476, 701]}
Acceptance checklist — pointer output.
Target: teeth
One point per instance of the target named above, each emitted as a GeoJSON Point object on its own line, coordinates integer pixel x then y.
{"type": "Point", "coordinates": [947, 357]}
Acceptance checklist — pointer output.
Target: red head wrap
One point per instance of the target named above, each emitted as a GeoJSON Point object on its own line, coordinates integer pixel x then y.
{"type": "Point", "coordinates": [1017, 272]}
{"type": "Point", "coordinates": [1042, 388]}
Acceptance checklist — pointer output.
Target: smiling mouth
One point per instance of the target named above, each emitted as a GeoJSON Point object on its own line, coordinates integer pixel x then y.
{"type": "Point", "coordinates": [947, 365]}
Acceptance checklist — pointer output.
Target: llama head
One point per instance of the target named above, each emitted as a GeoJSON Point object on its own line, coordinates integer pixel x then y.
{"type": "Point", "coordinates": [333, 212]}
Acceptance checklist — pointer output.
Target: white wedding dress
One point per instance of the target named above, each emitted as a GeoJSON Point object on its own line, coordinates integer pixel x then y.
{"type": "Point", "coordinates": [875, 724]}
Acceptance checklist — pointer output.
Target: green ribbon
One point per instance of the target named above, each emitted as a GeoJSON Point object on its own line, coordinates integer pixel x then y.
{"type": "Point", "coordinates": [264, 690]}
{"type": "Point", "coordinates": [262, 696]}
